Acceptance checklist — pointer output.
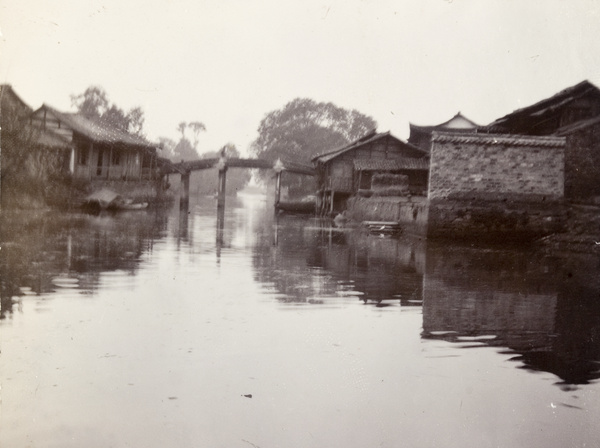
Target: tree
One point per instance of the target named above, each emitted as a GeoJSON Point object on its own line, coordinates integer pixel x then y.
{"type": "Point", "coordinates": [184, 151]}
{"type": "Point", "coordinates": [181, 128]}
{"type": "Point", "coordinates": [136, 121]}
{"type": "Point", "coordinates": [115, 117]}
{"type": "Point", "coordinates": [94, 104]}
{"type": "Point", "coordinates": [304, 128]}
{"type": "Point", "coordinates": [166, 147]}
{"type": "Point", "coordinates": [196, 128]}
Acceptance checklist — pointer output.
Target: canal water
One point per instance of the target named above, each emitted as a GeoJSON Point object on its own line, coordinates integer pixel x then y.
{"type": "Point", "coordinates": [151, 329]}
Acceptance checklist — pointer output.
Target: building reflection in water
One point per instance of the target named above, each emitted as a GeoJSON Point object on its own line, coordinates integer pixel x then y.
{"type": "Point", "coordinates": [544, 310]}
{"type": "Point", "coordinates": [313, 262]}
{"type": "Point", "coordinates": [43, 252]}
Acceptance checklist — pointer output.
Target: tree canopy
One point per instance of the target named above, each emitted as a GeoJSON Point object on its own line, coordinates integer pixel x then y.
{"type": "Point", "coordinates": [184, 149]}
{"type": "Point", "coordinates": [304, 128]}
{"type": "Point", "coordinates": [94, 103]}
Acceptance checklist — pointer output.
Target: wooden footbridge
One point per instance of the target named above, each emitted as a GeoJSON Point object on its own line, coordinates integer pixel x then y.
{"type": "Point", "coordinates": [223, 163]}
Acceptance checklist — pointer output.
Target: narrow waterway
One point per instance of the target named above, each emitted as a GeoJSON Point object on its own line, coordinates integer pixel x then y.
{"type": "Point", "coordinates": [151, 329]}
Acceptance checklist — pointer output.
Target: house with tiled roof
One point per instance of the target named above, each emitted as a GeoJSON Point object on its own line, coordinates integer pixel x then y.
{"type": "Point", "coordinates": [346, 171]}
{"type": "Point", "coordinates": [573, 113]}
{"type": "Point", "coordinates": [549, 116]}
{"type": "Point", "coordinates": [420, 136]}
{"type": "Point", "coordinates": [97, 150]}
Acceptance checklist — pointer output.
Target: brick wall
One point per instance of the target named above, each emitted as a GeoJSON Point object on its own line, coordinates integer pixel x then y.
{"type": "Point", "coordinates": [485, 166]}
{"type": "Point", "coordinates": [496, 186]}
{"type": "Point", "coordinates": [582, 163]}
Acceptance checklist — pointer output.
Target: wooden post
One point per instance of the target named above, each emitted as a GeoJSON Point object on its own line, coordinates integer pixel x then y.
{"type": "Point", "coordinates": [278, 189]}
{"type": "Point", "coordinates": [184, 192]}
{"type": "Point", "coordinates": [278, 167]}
{"type": "Point", "coordinates": [222, 187]}
{"type": "Point", "coordinates": [331, 209]}
{"type": "Point", "coordinates": [220, 228]}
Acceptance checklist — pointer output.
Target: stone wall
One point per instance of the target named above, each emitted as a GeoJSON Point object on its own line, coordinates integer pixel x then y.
{"type": "Point", "coordinates": [496, 187]}
{"type": "Point", "coordinates": [486, 166]}
{"type": "Point", "coordinates": [410, 213]}
{"type": "Point", "coordinates": [494, 220]}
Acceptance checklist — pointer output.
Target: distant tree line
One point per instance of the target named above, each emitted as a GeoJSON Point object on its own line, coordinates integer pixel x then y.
{"type": "Point", "coordinates": [94, 103]}
{"type": "Point", "coordinates": [298, 131]}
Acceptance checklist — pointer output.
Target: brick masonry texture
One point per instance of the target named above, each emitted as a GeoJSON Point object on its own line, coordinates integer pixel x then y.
{"type": "Point", "coordinates": [496, 187]}
{"type": "Point", "coordinates": [481, 166]}
{"type": "Point", "coordinates": [494, 220]}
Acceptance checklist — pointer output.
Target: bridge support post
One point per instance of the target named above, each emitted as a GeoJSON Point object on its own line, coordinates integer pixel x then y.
{"type": "Point", "coordinates": [278, 167]}
{"type": "Point", "coordinates": [278, 189]}
{"type": "Point", "coordinates": [222, 187]}
{"type": "Point", "coordinates": [184, 191]}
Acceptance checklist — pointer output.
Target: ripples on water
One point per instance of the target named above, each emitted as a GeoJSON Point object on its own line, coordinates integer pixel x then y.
{"type": "Point", "coordinates": [155, 329]}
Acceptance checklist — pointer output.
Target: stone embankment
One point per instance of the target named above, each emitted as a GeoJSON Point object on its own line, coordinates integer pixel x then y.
{"type": "Point", "coordinates": [581, 233]}
{"type": "Point", "coordinates": [410, 212]}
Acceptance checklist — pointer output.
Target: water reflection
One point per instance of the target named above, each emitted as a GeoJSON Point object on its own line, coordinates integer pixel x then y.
{"type": "Point", "coordinates": [43, 252]}
{"type": "Point", "coordinates": [544, 310]}
{"type": "Point", "coordinates": [312, 262]}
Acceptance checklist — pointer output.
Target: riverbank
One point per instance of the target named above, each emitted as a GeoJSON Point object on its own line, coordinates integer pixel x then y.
{"type": "Point", "coordinates": [67, 195]}
{"type": "Point", "coordinates": [562, 226]}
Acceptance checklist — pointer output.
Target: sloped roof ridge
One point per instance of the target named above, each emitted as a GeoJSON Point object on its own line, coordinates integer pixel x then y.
{"type": "Point", "coordinates": [580, 88]}
{"type": "Point", "coordinates": [355, 144]}
{"type": "Point", "coordinates": [370, 136]}
{"type": "Point", "coordinates": [96, 129]}
{"type": "Point", "coordinates": [579, 125]}
{"type": "Point", "coordinates": [432, 127]}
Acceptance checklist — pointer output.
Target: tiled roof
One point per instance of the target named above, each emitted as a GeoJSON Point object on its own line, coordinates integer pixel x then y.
{"type": "Point", "coordinates": [48, 138]}
{"type": "Point", "coordinates": [566, 130]}
{"type": "Point", "coordinates": [552, 103]}
{"type": "Point", "coordinates": [499, 139]}
{"type": "Point", "coordinates": [95, 130]}
{"type": "Point", "coordinates": [405, 163]}
{"type": "Point", "coordinates": [458, 123]}
{"type": "Point", "coordinates": [369, 138]}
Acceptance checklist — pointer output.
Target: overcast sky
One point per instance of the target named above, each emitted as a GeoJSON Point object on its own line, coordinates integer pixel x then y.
{"type": "Point", "coordinates": [227, 63]}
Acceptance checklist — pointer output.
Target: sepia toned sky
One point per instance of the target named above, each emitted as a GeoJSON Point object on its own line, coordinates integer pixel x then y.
{"type": "Point", "coordinates": [227, 63]}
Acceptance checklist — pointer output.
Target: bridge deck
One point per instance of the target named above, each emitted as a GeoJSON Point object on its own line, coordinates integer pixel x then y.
{"type": "Point", "coordinates": [203, 164]}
